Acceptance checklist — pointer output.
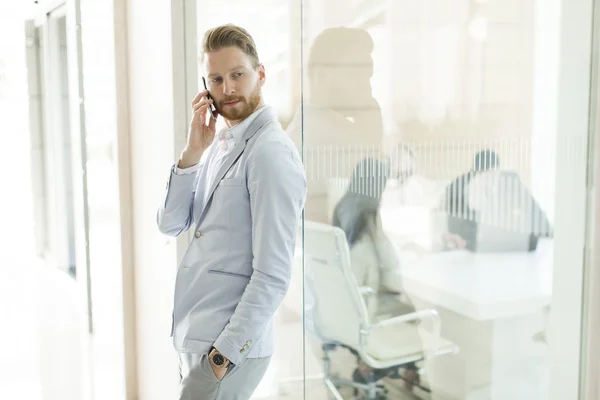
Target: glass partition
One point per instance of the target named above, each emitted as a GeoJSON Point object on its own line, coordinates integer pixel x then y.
{"type": "Point", "coordinates": [437, 160]}
{"type": "Point", "coordinates": [435, 263]}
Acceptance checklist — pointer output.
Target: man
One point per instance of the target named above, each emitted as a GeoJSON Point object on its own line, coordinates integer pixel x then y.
{"type": "Point", "coordinates": [244, 203]}
{"type": "Point", "coordinates": [456, 195]}
{"type": "Point", "coordinates": [488, 199]}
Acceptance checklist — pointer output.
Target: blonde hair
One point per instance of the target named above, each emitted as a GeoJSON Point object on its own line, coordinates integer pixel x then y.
{"type": "Point", "coordinates": [229, 35]}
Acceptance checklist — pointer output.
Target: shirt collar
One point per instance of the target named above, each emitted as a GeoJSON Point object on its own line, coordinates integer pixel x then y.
{"type": "Point", "coordinates": [236, 132]}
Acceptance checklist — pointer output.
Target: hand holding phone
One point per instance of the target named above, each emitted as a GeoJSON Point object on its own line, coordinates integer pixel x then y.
{"type": "Point", "coordinates": [201, 133]}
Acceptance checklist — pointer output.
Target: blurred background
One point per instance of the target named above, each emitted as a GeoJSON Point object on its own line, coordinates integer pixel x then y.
{"type": "Point", "coordinates": [463, 132]}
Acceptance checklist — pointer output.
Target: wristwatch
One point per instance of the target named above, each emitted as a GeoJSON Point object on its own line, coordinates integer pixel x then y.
{"type": "Point", "coordinates": [218, 359]}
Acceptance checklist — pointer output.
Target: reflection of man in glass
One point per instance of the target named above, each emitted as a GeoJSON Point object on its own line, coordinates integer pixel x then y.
{"type": "Point", "coordinates": [341, 120]}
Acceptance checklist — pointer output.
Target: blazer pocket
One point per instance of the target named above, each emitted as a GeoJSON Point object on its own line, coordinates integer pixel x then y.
{"type": "Point", "coordinates": [231, 182]}
{"type": "Point", "coordinates": [217, 272]}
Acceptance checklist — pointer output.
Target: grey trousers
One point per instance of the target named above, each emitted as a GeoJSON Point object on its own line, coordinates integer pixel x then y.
{"type": "Point", "coordinates": [198, 381]}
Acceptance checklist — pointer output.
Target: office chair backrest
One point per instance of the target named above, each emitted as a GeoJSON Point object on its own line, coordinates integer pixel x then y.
{"type": "Point", "coordinates": [335, 309]}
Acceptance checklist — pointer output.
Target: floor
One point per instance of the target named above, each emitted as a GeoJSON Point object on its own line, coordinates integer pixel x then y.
{"type": "Point", "coordinates": [33, 365]}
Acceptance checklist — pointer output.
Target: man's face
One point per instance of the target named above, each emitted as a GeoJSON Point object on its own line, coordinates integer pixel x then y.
{"type": "Point", "coordinates": [233, 82]}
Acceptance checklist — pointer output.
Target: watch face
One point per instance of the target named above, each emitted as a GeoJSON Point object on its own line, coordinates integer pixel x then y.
{"type": "Point", "coordinates": [218, 360]}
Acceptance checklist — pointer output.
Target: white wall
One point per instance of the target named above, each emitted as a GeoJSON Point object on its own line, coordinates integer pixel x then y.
{"type": "Point", "coordinates": [151, 124]}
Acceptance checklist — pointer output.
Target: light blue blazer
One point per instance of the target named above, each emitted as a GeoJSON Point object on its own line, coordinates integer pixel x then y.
{"type": "Point", "coordinates": [237, 269]}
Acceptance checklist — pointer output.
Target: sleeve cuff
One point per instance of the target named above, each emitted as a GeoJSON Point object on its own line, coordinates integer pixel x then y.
{"type": "Point", "coordinates": [185, 179]}
{"type": "Point", "coordinates": [232, 353]}
{"type": "Point", "coordinates": [185, 171]}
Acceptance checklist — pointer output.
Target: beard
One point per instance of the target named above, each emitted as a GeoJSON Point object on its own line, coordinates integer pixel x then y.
{"type": "Point", "coordinates": [242, 110]}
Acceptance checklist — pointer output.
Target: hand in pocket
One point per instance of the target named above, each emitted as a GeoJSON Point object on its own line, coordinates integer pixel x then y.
{"type": "Point", "coordinates": [218, 371]}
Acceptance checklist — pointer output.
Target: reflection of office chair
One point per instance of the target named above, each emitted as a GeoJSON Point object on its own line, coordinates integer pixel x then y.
{"type": "Point", "coordinates": [337, 315]}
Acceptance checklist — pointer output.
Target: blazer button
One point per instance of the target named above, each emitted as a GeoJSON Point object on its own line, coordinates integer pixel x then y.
{"type": "Point", "coordinates": [197, 234]}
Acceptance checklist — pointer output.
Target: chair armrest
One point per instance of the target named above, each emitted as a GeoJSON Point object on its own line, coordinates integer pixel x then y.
{"type": "Point", "coordinates": [367, 291]}
{"type": "Point", "coordinates": [414, 316]}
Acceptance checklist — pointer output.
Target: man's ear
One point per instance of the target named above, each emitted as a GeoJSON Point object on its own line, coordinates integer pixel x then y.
{"type": "Point", "coordinates": [261, 75]}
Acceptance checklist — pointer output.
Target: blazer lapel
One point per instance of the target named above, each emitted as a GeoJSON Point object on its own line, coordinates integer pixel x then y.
{"type": "Point", "coordinates": [264, 117]}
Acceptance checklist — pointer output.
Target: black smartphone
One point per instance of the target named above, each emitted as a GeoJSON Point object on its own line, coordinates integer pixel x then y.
{"type": "Point", "coordinates": [211, 109]}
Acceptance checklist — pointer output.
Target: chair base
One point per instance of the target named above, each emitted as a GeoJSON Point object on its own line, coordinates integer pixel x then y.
{"type": "Point", "coordinates": [370, 388]}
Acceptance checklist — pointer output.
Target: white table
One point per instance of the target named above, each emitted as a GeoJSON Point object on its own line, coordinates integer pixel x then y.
{"type": "Point", "coordinates": [491, 305]}
{"type": "Point", "coordinates": [481, 286]}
